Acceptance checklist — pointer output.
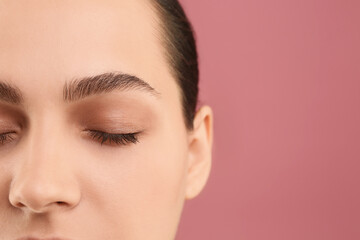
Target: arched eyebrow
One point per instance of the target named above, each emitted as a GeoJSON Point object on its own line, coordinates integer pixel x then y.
{"type": "Point", "coordinates": [10, 94]}
{"type": "Point", "coordinates": [80, 88]}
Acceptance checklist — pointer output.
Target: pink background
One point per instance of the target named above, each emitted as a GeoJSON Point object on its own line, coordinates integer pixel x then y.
{"type": "Point", "coordinates": [283, 78]}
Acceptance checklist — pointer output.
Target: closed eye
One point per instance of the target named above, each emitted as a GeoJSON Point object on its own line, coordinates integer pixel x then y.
{"type": "Point", "coordinates": [112, 138]}
{"type": "Point", "coordinates": [6, 137]}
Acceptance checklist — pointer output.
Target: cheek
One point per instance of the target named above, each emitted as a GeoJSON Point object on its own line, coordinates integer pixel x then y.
{"type": "Point", "coordinates": [5, 206]}
{"type": "Point", "coordinates": [142, 186]}
{"type": "Point", "coordinates": [158, 173]}
{"type": "Point", "coordinates": [164, 168]}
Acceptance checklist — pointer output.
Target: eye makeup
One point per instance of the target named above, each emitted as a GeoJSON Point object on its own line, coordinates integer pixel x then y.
{"type": "Point", "coordinates": [6, 137]}
{"type": "Point", "coordinates": [112, 131]}
{"type": "Point", "coordinates": [11, 122]}
{"type": "Point", "coordinates": [7, 132]}
{"type": "Point", "coordinates": [117, 139]}
{"type": "Point", "coordinates": [114, 120]}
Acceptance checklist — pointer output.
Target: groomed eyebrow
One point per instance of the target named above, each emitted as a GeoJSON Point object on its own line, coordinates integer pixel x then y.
{"type": "Point", "coordinates": [10, 94]}
{"type": "Point", "coordinates": [80, 88]}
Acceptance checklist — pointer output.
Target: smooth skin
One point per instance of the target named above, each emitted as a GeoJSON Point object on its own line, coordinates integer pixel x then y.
{"type": "Point", "coordinates": [56, 181]}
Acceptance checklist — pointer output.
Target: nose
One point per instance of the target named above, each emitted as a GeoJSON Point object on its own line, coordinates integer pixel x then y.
{"type": "Point", "coordinates": [44, 180]}
{"type": "Point", "coordinates": [41, 193]}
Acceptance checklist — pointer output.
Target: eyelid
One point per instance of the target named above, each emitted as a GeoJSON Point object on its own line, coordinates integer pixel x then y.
{"type": "Point", "coordinates": [116, 138]}
{"type": "Point", "coordinates": [6, 137]}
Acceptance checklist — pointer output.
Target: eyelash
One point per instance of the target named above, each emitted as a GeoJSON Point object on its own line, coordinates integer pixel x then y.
{"type": "Point", "coordinates": [5, 137]}
{"type": "Point", "coordinates": [117, 139]}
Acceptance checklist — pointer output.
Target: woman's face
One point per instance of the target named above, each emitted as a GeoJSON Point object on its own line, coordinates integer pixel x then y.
{"type": "Point", "coordinates": [59, 176]}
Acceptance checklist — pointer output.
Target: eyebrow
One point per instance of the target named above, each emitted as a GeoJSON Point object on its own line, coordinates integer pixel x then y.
{"type": "Point", "coordinates": [10, 94]}
{"type": "Point", "coordinates": [79, 88]}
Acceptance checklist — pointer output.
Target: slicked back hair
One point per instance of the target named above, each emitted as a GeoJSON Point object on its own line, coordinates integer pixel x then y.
{"type": "Point", "coordinates": [181, 53]}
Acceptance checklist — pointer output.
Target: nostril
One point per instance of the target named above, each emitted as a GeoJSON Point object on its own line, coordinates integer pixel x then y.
{"type": "Point", "coordinates": [20, 205]}
{"type": "Point", "coordinates": [38, 196]}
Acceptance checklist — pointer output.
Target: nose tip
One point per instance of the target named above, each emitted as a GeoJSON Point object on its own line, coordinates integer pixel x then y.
{"type": "Point", "coordinates": [40, 194]}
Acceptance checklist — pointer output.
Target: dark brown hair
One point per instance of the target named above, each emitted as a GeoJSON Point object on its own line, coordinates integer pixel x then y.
{"type": "Point", "coordinates": [181, 53]}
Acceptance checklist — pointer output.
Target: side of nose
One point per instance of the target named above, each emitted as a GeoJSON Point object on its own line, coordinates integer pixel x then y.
{"type": "Point", "coordinates": [44, 181]}
{"type": "Point", "coordinates": [40, 191]}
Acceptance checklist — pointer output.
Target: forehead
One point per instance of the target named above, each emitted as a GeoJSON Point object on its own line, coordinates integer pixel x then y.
{"type": "Point", "coordinates": [42, 40]}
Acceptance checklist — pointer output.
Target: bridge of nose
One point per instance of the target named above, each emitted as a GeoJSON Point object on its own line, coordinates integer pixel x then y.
{"type": "Point", "coordinates": [44, 175]}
